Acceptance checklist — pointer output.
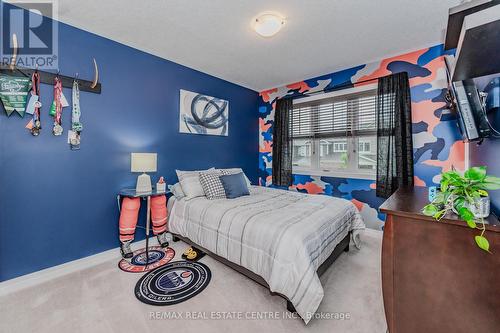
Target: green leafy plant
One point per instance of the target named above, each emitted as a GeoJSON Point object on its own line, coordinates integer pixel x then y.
{"type": "Point", "coordinates": [343, 158]}
{"type": "Point", "coordinates": [461, 192]}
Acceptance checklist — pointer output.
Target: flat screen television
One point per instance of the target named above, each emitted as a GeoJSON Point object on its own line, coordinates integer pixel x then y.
{"type": "Point", "coordinates": [465, 101]}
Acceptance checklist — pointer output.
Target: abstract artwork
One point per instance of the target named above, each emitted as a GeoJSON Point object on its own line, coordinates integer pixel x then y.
{"type": "Point", "coordinates": [201, 114]}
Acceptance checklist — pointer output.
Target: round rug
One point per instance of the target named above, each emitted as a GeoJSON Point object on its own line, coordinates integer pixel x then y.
{"type": "Point", "coordinates": [173, 283]}
{"type": "Point", "coordinates": [158, 256]}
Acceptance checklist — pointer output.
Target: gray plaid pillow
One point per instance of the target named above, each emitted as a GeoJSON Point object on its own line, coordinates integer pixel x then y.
{"type": "Point", "coordinates": [212, 185]}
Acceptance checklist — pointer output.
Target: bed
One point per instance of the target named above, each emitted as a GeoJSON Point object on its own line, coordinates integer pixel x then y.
{"type": "Point", "coordinates": [281, 239]}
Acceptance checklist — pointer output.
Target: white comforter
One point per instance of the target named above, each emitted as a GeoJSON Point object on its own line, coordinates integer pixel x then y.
{"type": "Point", "coordinates": [283, 236]}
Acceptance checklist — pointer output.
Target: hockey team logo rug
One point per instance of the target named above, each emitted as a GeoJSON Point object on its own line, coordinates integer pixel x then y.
{"type": "Point", "coordinates": [158, 256]}
{"type": "Point", "coordinates": [173, 283]}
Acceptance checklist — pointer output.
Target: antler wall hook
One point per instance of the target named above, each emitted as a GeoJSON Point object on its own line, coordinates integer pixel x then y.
{"type": "Point", "coordinates": [96, 75]}
{"type": "Point", "coordinates": [14, 52]}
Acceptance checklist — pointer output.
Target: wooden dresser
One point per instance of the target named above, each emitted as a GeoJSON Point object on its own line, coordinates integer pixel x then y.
{"type": "Point", "coordinates": [434, 277]}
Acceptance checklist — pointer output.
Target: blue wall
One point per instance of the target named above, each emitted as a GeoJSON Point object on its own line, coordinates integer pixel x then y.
{"type": "Point", "coordinates": [58, 205]}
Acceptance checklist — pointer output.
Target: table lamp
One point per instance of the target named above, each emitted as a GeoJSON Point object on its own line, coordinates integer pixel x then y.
{"type": "Point", "coordinates": [143, 162]}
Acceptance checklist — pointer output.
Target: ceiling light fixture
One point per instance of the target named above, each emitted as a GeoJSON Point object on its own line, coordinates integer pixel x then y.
{"type": "Point", "coordinates": [268, 24]}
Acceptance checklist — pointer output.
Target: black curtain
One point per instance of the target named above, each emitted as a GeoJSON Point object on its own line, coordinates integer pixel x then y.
{"type": "Point", "coordinates": [282, 143]}
{"type": "Point", "coordinates": [394, 134]}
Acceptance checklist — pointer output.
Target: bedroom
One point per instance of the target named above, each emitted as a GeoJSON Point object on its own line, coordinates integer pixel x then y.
{"type": "Point", "coordinates": [233, 165]}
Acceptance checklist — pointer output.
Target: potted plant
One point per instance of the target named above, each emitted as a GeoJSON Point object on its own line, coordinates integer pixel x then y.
{"type": "Point", "coordinates": [465, 195]}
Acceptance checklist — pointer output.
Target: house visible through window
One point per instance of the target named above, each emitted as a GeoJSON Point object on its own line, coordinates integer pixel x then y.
{"type": "Point", "coordinates": [335, 135]}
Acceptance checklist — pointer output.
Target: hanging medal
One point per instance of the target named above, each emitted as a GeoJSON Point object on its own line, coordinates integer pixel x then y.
{"type": "Point", "coordinates": [35, 91]}
{"type": "Point", "coordinates": [56, 108]}
{"type": "Point", "coordinates": [76, 125]}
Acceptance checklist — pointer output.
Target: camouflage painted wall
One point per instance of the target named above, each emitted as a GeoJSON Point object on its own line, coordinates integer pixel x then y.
{"type": "Point", "coordinates": [437, 144]}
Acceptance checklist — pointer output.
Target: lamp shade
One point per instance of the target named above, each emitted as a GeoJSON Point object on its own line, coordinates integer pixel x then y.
{"type": "Point", "coordinates": [143, 162]}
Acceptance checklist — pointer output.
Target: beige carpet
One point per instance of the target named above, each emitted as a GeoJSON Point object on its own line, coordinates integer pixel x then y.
{"type": "Point", "coordinates": [101, 299]}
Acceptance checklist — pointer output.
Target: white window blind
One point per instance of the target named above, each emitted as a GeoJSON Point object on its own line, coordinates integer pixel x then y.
{"type": "Point", "coordinates": [343, 116]}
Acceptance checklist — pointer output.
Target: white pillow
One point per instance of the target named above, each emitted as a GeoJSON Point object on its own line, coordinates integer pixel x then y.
{"type": "Point", "coordinates": [190, 183]}
{"type": "Point", "coordinates": [233, 171]}
{"type": "Point", "coordinates": [176, 190]}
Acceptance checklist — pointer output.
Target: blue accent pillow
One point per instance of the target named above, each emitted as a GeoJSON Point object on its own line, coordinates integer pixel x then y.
{"type": "Point", "coordinates": [235, 185]}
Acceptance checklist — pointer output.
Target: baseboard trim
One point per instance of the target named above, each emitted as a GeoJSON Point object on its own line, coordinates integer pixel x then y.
{"type": "Point", "coordinates": [47, 274]}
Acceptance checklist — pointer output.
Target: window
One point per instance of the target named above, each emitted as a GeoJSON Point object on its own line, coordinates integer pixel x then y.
{"type": "Point", "coordinates": [335, 134]}
{"type": "Point", "coordinates": [340, 146]}
{"type": "Point", "coordinates": [302, 152]}
{"type": "Point", "coordinates": [364, 146]}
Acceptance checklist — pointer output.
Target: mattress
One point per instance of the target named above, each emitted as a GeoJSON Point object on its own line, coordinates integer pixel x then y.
{"type": "Point", "coordinates": [283, 236]}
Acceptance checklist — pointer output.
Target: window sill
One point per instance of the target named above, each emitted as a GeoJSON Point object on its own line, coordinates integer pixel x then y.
{"type": "Point", "coordinates": [335, 174]}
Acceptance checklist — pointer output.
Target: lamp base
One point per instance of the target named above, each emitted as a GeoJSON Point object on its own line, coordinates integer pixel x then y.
{"type": "Point", "coordinates": [143, 184]}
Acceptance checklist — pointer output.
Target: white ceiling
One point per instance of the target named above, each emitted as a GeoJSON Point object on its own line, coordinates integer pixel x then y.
{"type": "Point", "coordinates": [215, 36]}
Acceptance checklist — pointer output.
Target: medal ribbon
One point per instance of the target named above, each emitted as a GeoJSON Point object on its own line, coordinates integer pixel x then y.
{"type": "Point", "coordinates": [35, 89]}
{"type": "Point", "coordinates": [57, 99]}
{"type": "Point", "coordinates": [76, 125]}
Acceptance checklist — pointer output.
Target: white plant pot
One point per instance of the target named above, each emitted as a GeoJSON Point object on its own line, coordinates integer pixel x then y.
{"type": "Point", "coordinates": [481, 207]}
